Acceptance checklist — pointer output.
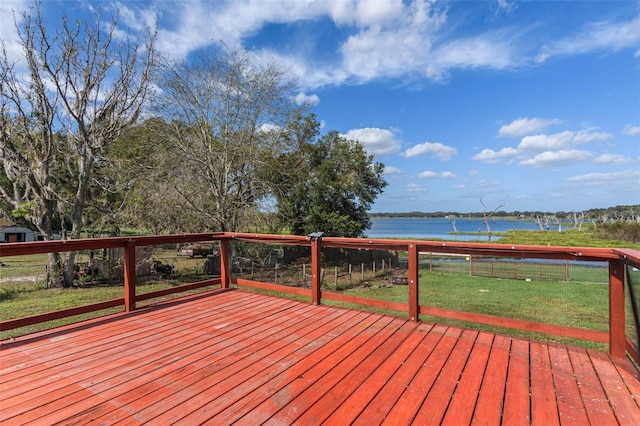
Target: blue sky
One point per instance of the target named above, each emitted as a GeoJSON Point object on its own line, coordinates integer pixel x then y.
{"type": "Point", "coordinates": [531, 104]}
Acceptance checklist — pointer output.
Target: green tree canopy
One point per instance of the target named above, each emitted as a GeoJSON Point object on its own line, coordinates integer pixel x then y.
{"type": "Point", "coordinates": [327, 184]}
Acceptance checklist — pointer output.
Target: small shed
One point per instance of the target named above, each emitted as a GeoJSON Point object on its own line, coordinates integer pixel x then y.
{"type": "Point", "coordinates": [16, 234]}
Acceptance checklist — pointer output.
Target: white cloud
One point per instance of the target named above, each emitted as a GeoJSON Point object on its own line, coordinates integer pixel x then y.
{"type": "Point", "coordinates": [456, 187]}
{"type": "Point", "coordinates": [631, 130]}
{"type": "Point", "coordinates": [492, 157]}
{"type": "Point", "coordinates": [428, 174]}
{"type": "Point", "coordinates": [365, 13]}
{"type": "Point", "coordinates": [557, 158]}
{"type": "Point", "coordinates": [612, 159]}
{"type": "Point", "coordinates": [138, 19]}
{"type": "Point", "coordinates": [414, 187]}
{"type": "Point", "coordinates": [605, 35]}
{"type": "Point", "coordinates": [526, 126]}
{"type": "Point", "coordinates": [376, 141]}
{"type": "Point", "coordinates": [588, 135]}
{"type": "Point", "coordinates": [391, 170]}
{"type": "Point", "coordinates": [443, 152]}
{"type": "Point", "coordinates": [7, 24]}
{"type": "Point", "coordinates": [546, 142]}
{"type": "Point", "coordinates": [490, 51]}
{"type": "Point", "coordinates": [304, 99]}
{"type": "Point", "coordinates": [629, 176]}
{"type": "Point", "coordinates": [399, 44]}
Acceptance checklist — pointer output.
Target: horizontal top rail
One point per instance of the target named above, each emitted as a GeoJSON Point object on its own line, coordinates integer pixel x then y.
{"type": "Point", "coordinates": [37, 247]}
{"type": "Point", "coordinates": [447, 247]}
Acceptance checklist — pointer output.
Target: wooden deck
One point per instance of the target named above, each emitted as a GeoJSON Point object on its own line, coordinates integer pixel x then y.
{"type": "Point", "coordinates": [238, 357]}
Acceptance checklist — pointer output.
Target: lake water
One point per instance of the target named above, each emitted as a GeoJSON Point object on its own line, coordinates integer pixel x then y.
{"type": "Point", "coordinates": [441, 228]}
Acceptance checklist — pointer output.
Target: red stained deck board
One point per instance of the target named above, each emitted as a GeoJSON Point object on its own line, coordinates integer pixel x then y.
{"type": "Point", "coordinates": [621, 400]}
{"type": "Point", "coordinates": [60, 343]}
{"type": "Point", "coordinates": [65, 399]}
{"type": "Point", "coordinates": [592, 394]}
{"type": "Point", "coordinates": [354, 380]}
{"type": "Point", "coordinates": [244, 397]}
{"type": "Point", "coordinates": [517, 403]}
{"type": "Point", "coordinates": [164, 390]}
{"type": "Point", "coordinates": [234, 356]}
{"type": "Point", "coordinates": [93, 360]}
{"type": "Point", "coordinates": [435, 405]}
{"type": "Point", "coordinates": [390, 394]}
{"type": "Point", "coordinates": [311, 370]}
{"type": "Point", "coordinates": [463, 402]}
{"type": "Point", "coordinates": [351, 407]}
{"type": "Point", "coordinates": [544, 410]}
{"type": "Point", "coordinates": [488, 410]}
{"type": "Point", "coordinates": [267, 360]}
{"type": "Point", "coordinates": [265, 363]}
{"type": "Point", "coordinates": [570, 407]}
{"type": "Point", "coordinates": [322, 381]}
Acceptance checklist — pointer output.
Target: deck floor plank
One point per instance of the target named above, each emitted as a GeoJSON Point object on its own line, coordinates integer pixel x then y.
{"type": "Point", "coordinates": [357, 375]}
{"type": "Point", "coordinates": [517, 397]}
{"type": "Point", "coordinates": [570, 407]}
{"type": "Point", "coordinates": [488, 410]}
{"type": "Point", "coordinates": [384, 401]}
{"type": "Point", "coordinates": [349, 408]}
{"type": "Point", "coordinates": [544, 410]}
{"type": "Point", "coordinates": [465, 397]}
{"type": "Point", "coordinates": [265, 360]}
{"type": "Point", "coordinates": [205, 360]}
{"type": "Point", "coordinates": [227, 357]}
{"type": "Point", "coordinates": [246, 396]}
{"type": "Point", "coordinates": [621, 400]}
{"type": "Point", "coordinates": [433, 408]}
{"type": "Point", "coordinates": [592, 394]}
{"type": "Point", "coordinates": [84, 363]}
{"type": "Point", "coordinates": [312, 369]}
{"type": "Point", "coordinates": [66, 396]}
{"type": "Point", "coordinates": [309, 396]}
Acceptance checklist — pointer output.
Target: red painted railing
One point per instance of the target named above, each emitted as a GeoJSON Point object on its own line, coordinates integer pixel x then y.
{"type": "Point", "coordinates": [618, 260]}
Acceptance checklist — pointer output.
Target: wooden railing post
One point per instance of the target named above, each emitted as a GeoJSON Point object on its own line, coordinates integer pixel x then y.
{"type": "Point", "coordinates": [617, 337]}
{"type": "Point", "coordinates": [414, 267]}
{"type": "Point", "coordinates": [316, 259]}
{"type": "Point", "coordinates": [130, 276]}
{"type": "Point", "coordinates": [224, 263]}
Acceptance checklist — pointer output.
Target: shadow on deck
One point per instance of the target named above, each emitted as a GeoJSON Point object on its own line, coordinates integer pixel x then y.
{"type": "Point", "coordinates": [233, 356]}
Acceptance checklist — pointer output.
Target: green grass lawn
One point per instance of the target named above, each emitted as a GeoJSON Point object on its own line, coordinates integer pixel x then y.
{"type": "Point", "coordinates": [573, 304]}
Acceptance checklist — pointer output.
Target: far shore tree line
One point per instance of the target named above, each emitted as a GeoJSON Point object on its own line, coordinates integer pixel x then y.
{"type": "Point", "coordinates": [630, 213]}
{"type": "Point", "coordinates": [99, 131]}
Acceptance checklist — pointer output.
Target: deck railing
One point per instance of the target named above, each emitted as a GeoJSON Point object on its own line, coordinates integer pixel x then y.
{"type": "Point", "coordinates": [622, 265]}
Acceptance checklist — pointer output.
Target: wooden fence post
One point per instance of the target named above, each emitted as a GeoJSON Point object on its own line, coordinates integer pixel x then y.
{"type": "Point", "coordinates": [129, 276]}
{"type": "Point", "coordinates": [316, 272]}
{"type": "Point", "coordinates": [617, 337]}
{"type": "Point", "coordinates": [414, 308]}
{"type": "Point", "coordinates": [224, 263]}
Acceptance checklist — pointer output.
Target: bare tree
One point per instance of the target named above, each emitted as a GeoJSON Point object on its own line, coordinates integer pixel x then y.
{"type": "Point", "coordinates": [83, 85]}
{"type": "Point", "coordinates": [226, 117]}
{"type": "Point", "coordinates": [578, 220]}
{"type": "Point", "coordinates": [487, 216]}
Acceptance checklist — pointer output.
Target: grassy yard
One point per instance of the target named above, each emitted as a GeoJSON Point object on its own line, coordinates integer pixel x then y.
{"type": "Point", "coordinates": [574, 304]}
{"type": "Point", "coordinates": [23, 289]}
